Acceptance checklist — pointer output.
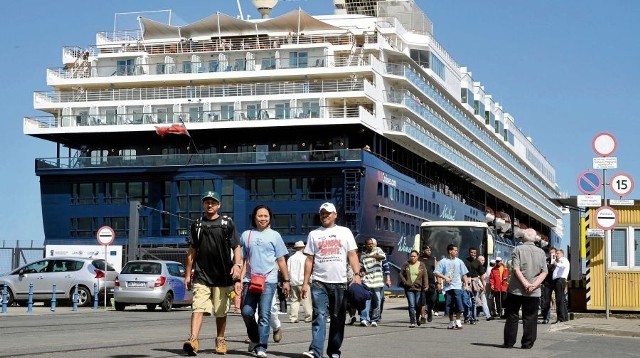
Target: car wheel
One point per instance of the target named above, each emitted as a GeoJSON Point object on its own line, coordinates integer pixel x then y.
{"type": "Point", "coordinates": [84, 296]}
{"type": "Point", "coordinates": [9, 297]}
{"type": "Point", "coordinates": [151, 307]}
{"type": "Point", "coordinates": [167, 303]}
{"type": "Point", "coordinates": [119, 306]}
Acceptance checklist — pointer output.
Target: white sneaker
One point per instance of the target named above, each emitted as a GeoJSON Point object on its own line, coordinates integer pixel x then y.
{"type": "Point", "coordinates": [261, 354]}
{"type": "Point", "coordinates": [374, 324]}
{"type": "Point", "coordinates": [308, 354]}
{"type": "Point", "coordinates": [364, 323]}
{"type": "Point", "coordinates": [435, 313]}
{"type": "Point", "coordinates": [451, 325]}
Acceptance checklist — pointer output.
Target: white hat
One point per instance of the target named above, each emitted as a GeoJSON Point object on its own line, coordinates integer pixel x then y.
{"type": "Point", "coordinates": [492, 262]}
{"type": "Point", "coordinates": [498, 258]}
{"type": "Point", "coordinates": [298, 244]}
{"type": "Point", "coordinates": [329, 207]}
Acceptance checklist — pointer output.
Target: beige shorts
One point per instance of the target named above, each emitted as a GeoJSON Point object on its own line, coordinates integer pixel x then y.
{"type": "Point", "coordinates": [210, 300]}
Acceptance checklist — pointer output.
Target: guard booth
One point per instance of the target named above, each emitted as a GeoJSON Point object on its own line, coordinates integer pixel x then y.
{"type": "Point", "coordinates": [623, 260]}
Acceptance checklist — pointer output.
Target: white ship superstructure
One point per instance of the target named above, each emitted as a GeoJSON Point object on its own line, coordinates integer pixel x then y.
{"type": "Point", "coordinates": [381, 70]}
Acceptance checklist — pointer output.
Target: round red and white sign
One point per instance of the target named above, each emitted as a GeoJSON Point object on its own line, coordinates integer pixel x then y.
{"type": "Point", "coordinates": [621, 184]}
{"type": "Point", "coordinates": [105, 235]}
{"type": "Point", "coordinates": [606, 217]}
{"type": "Point", "coordinates": [604, 144]}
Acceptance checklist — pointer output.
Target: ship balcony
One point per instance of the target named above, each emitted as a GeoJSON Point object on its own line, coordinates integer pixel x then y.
{"type": "Point", "coordinates": [222, 118]}
{"type": "Point", "coordinates": [454, 137]}
{"type": "Point", "coordinates": [54, 100]}
{"type": "Point", "coordinates": [208, 159]}
{"type": "Point", "coordinates": [83, 71]}
{"type": "Point", "coordinates": [482, 135]}
{"type": "Point", "coordinates": [420, 140]}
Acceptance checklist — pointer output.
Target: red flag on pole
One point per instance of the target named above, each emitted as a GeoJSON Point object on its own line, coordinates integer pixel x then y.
{"type": "Point", "coordinates": [172, 129]}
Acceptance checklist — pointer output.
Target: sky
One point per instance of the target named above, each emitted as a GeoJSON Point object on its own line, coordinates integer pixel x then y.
{"type": "Point", "coordinates": [565, 70]}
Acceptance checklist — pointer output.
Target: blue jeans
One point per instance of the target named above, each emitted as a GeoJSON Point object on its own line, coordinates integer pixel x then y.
{"type": "Point", "coordinates": [328, 301]}
{"type": "Point", "coordinates": [367, 314]}
{"type": "Point", "coordinates": [414, 299]}
{"type": "Point", "coordinates": [469, 301]}
{"type": "Point", "coordinates": [258, 332]}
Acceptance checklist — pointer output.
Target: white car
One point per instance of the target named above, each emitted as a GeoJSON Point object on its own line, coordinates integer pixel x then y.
{"type": "Point", "coordinates": [151, 283]}
{"type": "Point", "coordinates": [63, 272]}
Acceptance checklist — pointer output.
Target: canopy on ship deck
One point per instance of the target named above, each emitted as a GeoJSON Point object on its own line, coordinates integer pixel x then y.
{"type": "Point", "coordinates": [218, 24]}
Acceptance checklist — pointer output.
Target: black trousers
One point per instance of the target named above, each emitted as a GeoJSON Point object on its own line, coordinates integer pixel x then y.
{"type": "Point", "coordinates": [559, 285]}
{"type": "Point", "coordinates": [529, 307]}
{"type": "Point", "coordinates": [545, 305]}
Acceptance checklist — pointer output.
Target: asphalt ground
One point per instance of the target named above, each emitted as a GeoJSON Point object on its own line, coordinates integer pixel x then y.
{"type": "Point", "coordinates": [138, 333]}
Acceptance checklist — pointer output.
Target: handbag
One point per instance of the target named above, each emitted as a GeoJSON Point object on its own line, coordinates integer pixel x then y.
{"type": "Point", "coordinates": [257, 281]}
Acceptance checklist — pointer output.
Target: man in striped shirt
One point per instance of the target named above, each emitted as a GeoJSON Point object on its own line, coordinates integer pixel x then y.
{"type": "Point", "coordinates": [371, 261]}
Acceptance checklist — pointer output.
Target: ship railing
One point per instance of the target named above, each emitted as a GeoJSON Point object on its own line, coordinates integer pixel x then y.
{"type": "Point", "coordinates": [120, 43]}
{"type": "Point", "coordinates": [120, 36]}
{"type": "Point", "coordinates": [425, 137]}
{"type": "Point", "coordinates": [444, 126]}
{"type": "Point", "coordinates": [289, 157]}
{"type": "Point", "coordinates": [239, 62]}
{"type": "Point", "coordinates": [312, 110]}
{"type": "Point", "coordinates": [200, 92]}
{"type": "Point", "coordinates": [405, 70]}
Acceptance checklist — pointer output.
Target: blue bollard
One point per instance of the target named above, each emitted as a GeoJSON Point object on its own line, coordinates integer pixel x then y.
{"type": "Point", "coordinates": [30, 300]}
{"type": "Point", "coordinates": [95, 296]}
{"type": "Point", "coordinates": [75, 299]}
{"type": "Point", "coordinates": [53, 299]}
{"type": "Point", "coordinates": [4, 299]}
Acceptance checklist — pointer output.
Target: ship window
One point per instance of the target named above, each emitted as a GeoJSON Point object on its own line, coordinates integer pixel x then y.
{"type": "Point", "coordinates": [385, 224]}
{"type": "Point", "coordinates": [84, 193]}
{"type": "Point", "coordinates": [226, 195]}
{"type": "Point", "coordinates": [283, 110]}
{"type": "Point", "coordinates": [187, 67]}
{"type": "Point", "coordinates": [316, 188]}
{"type": "Point", "coordinates": [392, 225]}
{"type": "Point", "coordinates": [636, 247]}
{"type": "Point", "coordinates": [127, 154]}
{"type": "Point", "coordinates": [240, 65]}
{"type": "Point", "coordinates": [386, 191]}
{"type": "Point", "coordinates": [310, 109]}
{"type": "Point", "coordinates": [413, 202]}
{"type": "Point", "coordinates": [298, 59]}
{"type": "Point", "coordinates": [437, 66]}
{"type": "Point", "coordinates": [99, 157]}
{"type": "Point", "coordinates": [125, 67]}
{"type": "Point", "coordinates": [379, 189]}
{"type": "Point", "coordinates": [116, 193]}
{"type": "Point", "coordinates": [226, 111]}
{"type": "Point", "coordinates": [268, 63]}
{"type": "Point", "coordinates": [284, 223]}
{"type": "Point", "coordinates": [378, 222]}
{"type": "Point", "coordinates": [196, 114]}
{"type": "Point", "coordinates": [253, 110]}
{"type": "Point", "coordinates": [213, 66]}
{"type": "Point", "coordinates": [310, 221]}
{"type": "Point", "coordinates": [119, 225]}
{"type": "Point", "coordinates": [83, 227]}
{"type": "Point", "coordinates": [420, 56]}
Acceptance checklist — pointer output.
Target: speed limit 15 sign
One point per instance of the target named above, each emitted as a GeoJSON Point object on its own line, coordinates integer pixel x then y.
{"type": "Point", "coordinates": [621, 184]}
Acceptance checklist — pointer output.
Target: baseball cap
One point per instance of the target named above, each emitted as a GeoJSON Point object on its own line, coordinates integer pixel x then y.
{"type": "Point", "coordinates": [329, 207]}
{"type": "Point", "coordinates": [498, 258]}
{"type": "Point", "coordinates": [211, 195]}
{"type": "Point", "coordinates": [298, 244]}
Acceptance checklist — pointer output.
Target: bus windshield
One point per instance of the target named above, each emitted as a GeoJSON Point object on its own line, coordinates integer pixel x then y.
{"type": "Point", "coordinates": [439, 236]}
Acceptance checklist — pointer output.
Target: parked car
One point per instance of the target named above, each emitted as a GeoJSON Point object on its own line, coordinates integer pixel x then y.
{"type": "Point", "coordinates": [65, 273]}
{"type": "Point", "coordinates": [151, 283]}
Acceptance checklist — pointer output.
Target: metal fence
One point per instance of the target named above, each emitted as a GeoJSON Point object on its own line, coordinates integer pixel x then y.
{"type": "Point", "coordinates": [14, 257]}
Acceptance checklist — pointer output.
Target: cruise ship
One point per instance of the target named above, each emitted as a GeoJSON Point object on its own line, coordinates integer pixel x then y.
{"type": "Point", "coordinates": [363, 108]}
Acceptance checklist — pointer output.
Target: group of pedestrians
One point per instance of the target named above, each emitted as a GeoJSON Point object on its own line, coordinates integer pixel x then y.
{"type": "Point", "coordinates": [315, 276]}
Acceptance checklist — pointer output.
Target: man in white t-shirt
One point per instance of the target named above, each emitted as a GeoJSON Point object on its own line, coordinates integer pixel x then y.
{"type": "Point", "coordinates": [560, 275]}
{"type": "Point", "coordinates": [329, 248]}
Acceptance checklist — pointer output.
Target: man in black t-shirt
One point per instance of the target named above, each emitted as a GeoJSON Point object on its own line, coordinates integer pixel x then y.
{"type": "Point", "coordinates": [430, 296]}
{"type": "Point", "coordinates": [216, 260]}
{"type": "Point", "coordinates": [476, 270]}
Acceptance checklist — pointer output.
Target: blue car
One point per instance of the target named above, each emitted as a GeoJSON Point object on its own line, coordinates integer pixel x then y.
{"type": "Point", "coordinates": [151, 283]}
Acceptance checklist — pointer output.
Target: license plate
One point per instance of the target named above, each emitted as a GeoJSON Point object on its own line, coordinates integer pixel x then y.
{"type": "Point", "coordinates": [136, 284]}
